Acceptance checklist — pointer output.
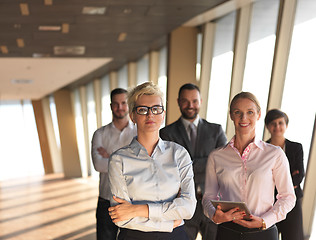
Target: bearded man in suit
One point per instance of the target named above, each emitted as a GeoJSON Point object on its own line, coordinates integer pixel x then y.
{"type": "Point", "coordinates": [199, 137]}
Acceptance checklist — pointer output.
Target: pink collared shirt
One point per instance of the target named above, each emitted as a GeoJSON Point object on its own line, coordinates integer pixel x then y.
{"type": "Point", "coordinates": [250, 178]}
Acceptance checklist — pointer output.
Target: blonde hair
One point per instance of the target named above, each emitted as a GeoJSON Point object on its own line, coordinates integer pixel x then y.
{"type": "Point", "coordinates": [147, 88]}
{"type": "Point", "coordinates": [247, 95]}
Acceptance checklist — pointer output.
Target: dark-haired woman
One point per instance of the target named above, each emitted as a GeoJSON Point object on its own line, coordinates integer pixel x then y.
{"type": "Point", "coordinates": [277, 122]}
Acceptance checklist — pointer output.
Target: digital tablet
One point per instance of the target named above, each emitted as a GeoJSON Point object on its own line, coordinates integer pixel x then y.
{"type": "Point", "coordinates": [227, 205]}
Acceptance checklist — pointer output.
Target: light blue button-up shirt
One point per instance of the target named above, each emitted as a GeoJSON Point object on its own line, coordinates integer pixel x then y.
{"type": "Point", "coordinates": [154, 180]}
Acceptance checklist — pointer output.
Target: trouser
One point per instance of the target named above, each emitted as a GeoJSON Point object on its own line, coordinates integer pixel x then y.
{"type": "Point", "coordinates": [291, 228]}
{"type": "Point", "coordinates": [106, 229]}
{"type": "Point", "coordinates": [200, 223]}
{"type": "Point", "coordinates": [129, 234]}
{"type": "Point", "coordinates": [232, 231]}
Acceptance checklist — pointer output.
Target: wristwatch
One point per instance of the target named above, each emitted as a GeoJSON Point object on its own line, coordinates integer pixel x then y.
{"type": "Point", "coordinates": [264, 226]}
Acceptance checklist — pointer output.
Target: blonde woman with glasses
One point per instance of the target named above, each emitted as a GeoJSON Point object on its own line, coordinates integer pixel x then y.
{"type": "Point", "coordinates": [151, 180]}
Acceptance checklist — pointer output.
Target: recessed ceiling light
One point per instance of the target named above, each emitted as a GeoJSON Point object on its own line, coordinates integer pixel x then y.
{"type": "Point", "coordinates": [4, 49]}
{"type": "Point", "coordinates": [17, 26]}
{"type": "Point", "coordinates": [40, 55]}
{"type": "Point", "coordinates": [65, 28]}
{"type": "Point", "coordinates": [21, 81]}
{"type": "Point", "coordinates": [48, 2]}
{"type": "Point", "coordinates": [20, 42]}
{"type": "Point", "coordinates": [127, 11]}
{"type": "Point", "coordinates": [69, 50]}
{"type": "Point", "coordinates": [24, 7]}
{"type": "Point", "coordinates": [122, 37]}
{"type": "Point", "coordinates": [49, 28]}
{"type": "Point", "coordinates": [94, 10]}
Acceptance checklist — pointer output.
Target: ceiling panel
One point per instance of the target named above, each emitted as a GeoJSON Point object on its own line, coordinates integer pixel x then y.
{"type": "Point", "coordinates": [147, 24]}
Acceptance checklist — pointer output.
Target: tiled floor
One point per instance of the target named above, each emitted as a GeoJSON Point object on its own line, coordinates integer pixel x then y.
{"type": "Point", "coordinates": [49, 207]}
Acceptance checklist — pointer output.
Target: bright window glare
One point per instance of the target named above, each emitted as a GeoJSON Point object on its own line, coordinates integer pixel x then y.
{"type": "Point", "coordinates": [143, 69]}
{"type": "Point", "coordinates": [258, 73]}
{"type": "Point", "coordinates": [299, 92]}
{"type": "Point", "coordinates": [53, 110]}
{"type": "Point", "coordinates": [92, 124]}
{"type": "Point", "coordinates": [80, 131]}
{"type": "Point", "coordinates": [20, 152]}
{"type": "Point", "coordinates": [106, 100]}
{"type": "Point", "coordinates": [218, 89]}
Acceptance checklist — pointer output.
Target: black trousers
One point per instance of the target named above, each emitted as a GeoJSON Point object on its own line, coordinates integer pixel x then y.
{"type": "Point", "coordinates": [291, 228]}
{"type": "Point", "coordinates": [106, 229]}
{"type": "Point", "coordinates": [232, 231]}
{"type": "Point", "coordinates": [200, 223]}
{"type": "Point", "coordinates": [128, 234]}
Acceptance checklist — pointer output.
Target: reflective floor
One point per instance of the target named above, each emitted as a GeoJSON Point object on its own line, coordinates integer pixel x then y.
{"type": "Point", "coordinates": [49, 207]}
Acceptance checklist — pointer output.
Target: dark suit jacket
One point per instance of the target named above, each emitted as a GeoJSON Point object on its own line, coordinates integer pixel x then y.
{"type": "Point", "coordinates": [209, 137]}
{"type": "Point", "coordinates": [294, 153]}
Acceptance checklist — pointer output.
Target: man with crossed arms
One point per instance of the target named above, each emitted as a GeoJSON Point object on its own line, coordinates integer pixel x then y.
{"type": "Point", "coordinates": [105, 141]}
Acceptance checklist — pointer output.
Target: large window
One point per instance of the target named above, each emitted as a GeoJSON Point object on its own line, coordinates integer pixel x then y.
{"type": "Point", "coordinates": [80, 131]}
{"type": "Point", "coordinates": [122, 76]}
{"type": "Point", "coordinates": [57, 164]}
{"type": "Point", "coordinates": [299, 96]}
{"type": "Point", "coordinates": [20, 152]}
{"type": "Point", "coordinates": [162, 71]}
{"type": "Point", "coordinates": [221, 70]}
{"type": "Point", "coordinates": [105, 100]}
{"type": "Point", "coordinates": [92, 122]}
{"type": "Point", "coordinates": [143, 70]}
{"type": "Point", "coordinates": [198, 56]}
{"type": "Point", "coordinates": [260, 52]}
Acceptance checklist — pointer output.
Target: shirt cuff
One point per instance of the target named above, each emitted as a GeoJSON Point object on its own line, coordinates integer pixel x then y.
{"type": "Point", "coordinates": [269, 219]}
{"type": "Point", "coordinates": [155, 214]}
{"type": "Point", "coordinates": [154, 211]}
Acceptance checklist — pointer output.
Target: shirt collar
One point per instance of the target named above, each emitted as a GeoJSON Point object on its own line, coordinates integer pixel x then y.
{"type": "Point", "coordinates": [257, 142]}
{"type": "Point", "coordinates": [130, 125]}
{"type": "Point", "coordinates": [186, 122]}
{"type": "Point", "coordinates": [137, 147]}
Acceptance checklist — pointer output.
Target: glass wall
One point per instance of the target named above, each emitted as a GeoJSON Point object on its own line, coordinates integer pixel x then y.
{"type": "Point", "coordinates": [221, 70]}
{"type": "Point", "coordinates": [80, 132]}
{"type": "Point", "coordinates": [105, 100]}
{"type": "Point", "coordinates": [143, 69]}
{"type": "Point", "coordinates": [122, 76]}
{"type": "Point", "coordinates": [92, 121]}
{"type": "Point", "coordinates": [198, 56]}
{"type": "Point", "coordinates": [57, 164]}
{"type": "Point", "coordinates": [162, 78]}
{"type": "Point", "coordinates": [260, 52]}
{"type": "Point", "coordinates": [20, 153]}
{"type": "Point", "coordinates": [299, 96]}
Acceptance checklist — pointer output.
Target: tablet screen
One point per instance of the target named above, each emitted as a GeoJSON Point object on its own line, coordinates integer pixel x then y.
{"type": "Point", "coordinates": [227, 205]}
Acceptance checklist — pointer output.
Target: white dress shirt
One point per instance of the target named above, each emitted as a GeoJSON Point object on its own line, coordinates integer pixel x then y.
{"type": "Point", "coordinates": [111, 139]}
{"type": "Point", "coordinates": [154, 180]}
{"type": "Point", "coordinates": [187, 123]}
{"type": "Point", "coordinates": [250, 178]}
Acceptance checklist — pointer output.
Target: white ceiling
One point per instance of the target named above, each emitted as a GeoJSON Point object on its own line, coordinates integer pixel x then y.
{"type": "Point", "coordinates": [47, 75]}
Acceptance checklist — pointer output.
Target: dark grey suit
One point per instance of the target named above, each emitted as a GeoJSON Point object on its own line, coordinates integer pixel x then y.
{"type": "Point", "coordinates": [209, 137]}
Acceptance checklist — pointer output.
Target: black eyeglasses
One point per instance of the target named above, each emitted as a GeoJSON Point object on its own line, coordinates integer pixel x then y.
{"type": "Point", "coordinates": [143, 110]}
